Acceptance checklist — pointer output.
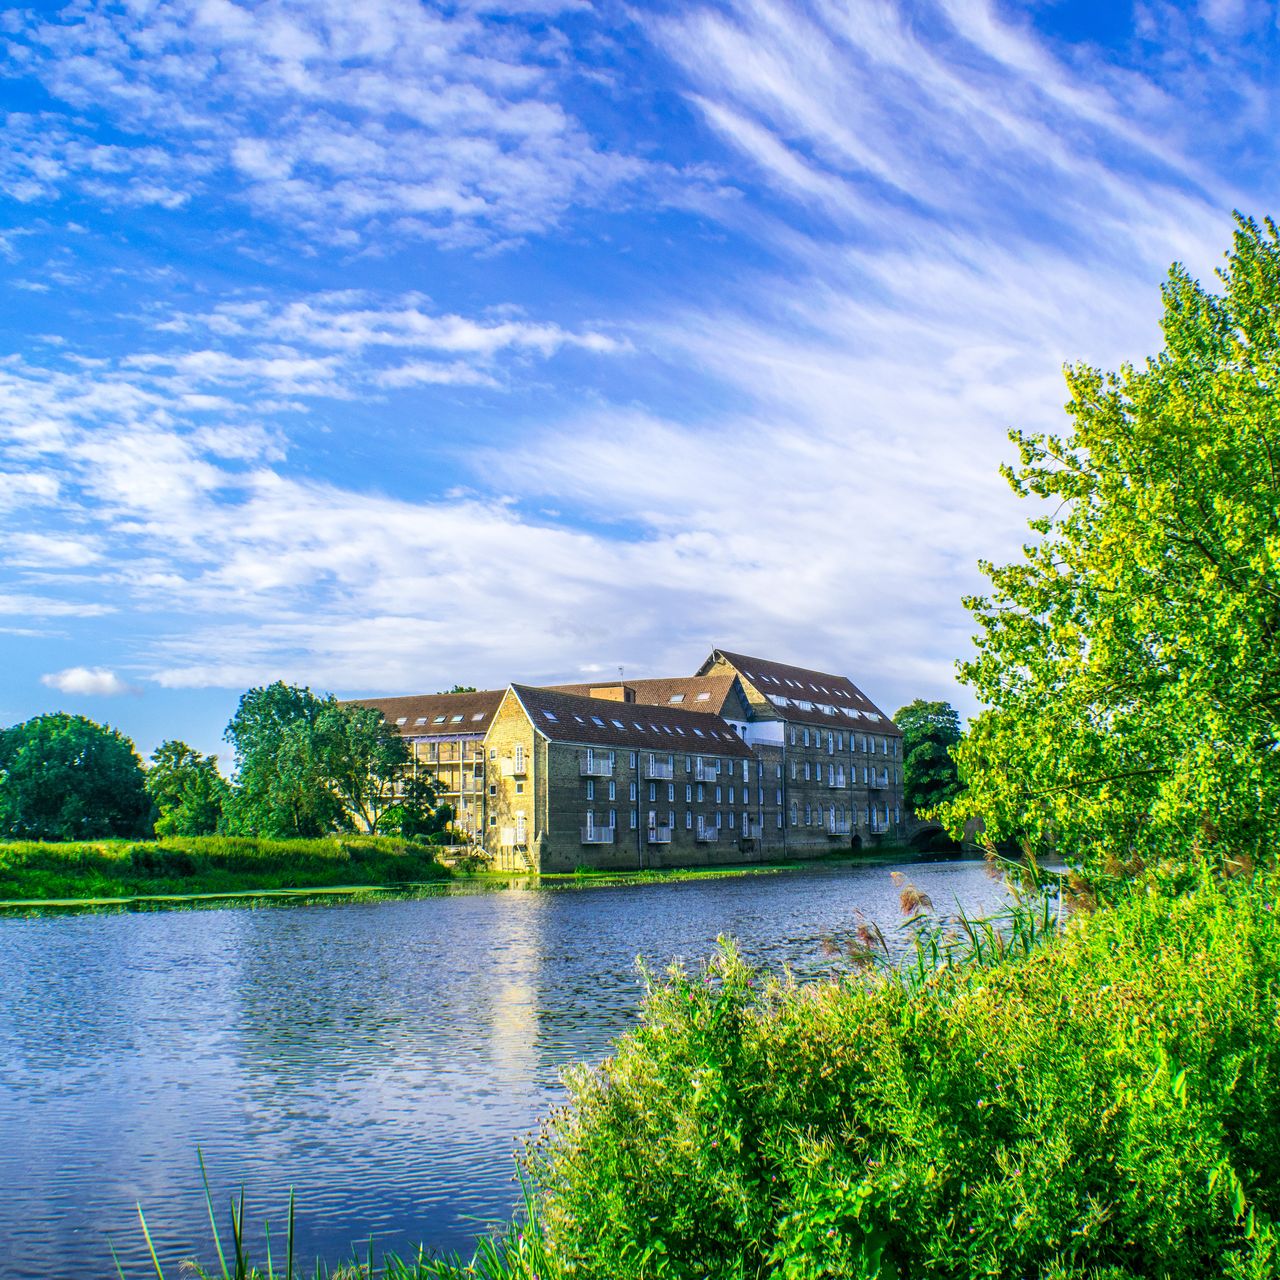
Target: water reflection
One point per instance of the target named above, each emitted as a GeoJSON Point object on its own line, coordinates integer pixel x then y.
{"type": "Point", "coordinates": [379, 1056]}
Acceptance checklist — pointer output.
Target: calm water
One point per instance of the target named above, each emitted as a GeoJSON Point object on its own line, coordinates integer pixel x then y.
{"type": "Point", "coordinates": [380, 1057]}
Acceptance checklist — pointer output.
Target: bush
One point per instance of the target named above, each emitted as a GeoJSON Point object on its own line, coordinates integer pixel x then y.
{"type": "Point", "coordinates": [1108, 1106]}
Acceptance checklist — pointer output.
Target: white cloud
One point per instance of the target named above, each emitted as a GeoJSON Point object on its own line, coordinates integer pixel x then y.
{"type": "Point", "coordinates": [91, 682]}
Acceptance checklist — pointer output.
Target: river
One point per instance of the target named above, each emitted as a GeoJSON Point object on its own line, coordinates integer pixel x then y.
{"type": "Point", "coordinates": [381, 1057]}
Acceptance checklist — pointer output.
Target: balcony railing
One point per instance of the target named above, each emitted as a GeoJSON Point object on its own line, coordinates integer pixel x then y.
{"type": "Point", "coordinates": [703, 772]}
{"type": "Point", "coordinates": [836, 783]}
{"type": "Point", "coordinates": [514, 768]}
{"type": "Point", "coordinates": [838, 826]}
{"type": "Point", "coordinates": [597, 835]}
{"type": "Point", "coordinates": [751, 830]}
{"type": "Point", "coordinates": [600, 767]}
{"type": "Point", "coordinates": [878, 783]}
{"type": "Point", "coordinates": [707, 835]}
{"type": "Point", "coordinates": [659, 769]}
{"type": "Point", "coordinates": [659, 835]}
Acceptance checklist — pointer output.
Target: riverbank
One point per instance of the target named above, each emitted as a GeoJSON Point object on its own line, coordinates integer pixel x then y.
{"type": "Point", "coordinates": [208, 870]}
{"type": "Point", "coordinates": [198, 868]}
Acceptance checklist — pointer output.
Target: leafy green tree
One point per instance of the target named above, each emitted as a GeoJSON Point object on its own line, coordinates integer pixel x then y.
{"type": "Point", "coordinates": [309, 765]}
{"type": "Point", "coordinates": [1130, 661]}
{"type": "Point", "coordinates": [460, 688]}
{"type": "Point", "coordinates": [64, 777]}
{"type": "Point", "coordinates": [188, 790]}
{"type": "Point", "coordinates": [370, 769]}
{"type": "Point", "coordinates": [929, 731]}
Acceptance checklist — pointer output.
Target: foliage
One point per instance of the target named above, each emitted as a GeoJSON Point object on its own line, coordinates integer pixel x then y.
{"type": "Point", "coordinates": [63, 777]}
{"type": "Point", "coordinates": [459, 688]}
{"type": "Point", "coordinates": [309, 765]}
{"type": "Point", "coordinates": [929, 731]}
{"type": "Point", "coordinates": [1130, 662]}
{"type": "Point", "coordinates": [207, 865]}
{"type": "Point", "coordinates": [189, 792]}
{"type": "Point", "coordinates": [1100, 1105]}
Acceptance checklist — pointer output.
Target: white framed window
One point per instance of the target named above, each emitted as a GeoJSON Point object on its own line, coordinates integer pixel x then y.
{"type": "Point", "coordinates": [688, 819]}
{"type": "Point", "coordinates": [613, 789]}
{"type": "Point", "coordinates": [732, 817]}
{"type": "Point", "coordinates": [671, 792]}
{"type": "Point", "coordinates": [633, 819]}
{"type": "Point", "coordinates": [795, 813]}
{"type": "Point", "coordinates": [633, 792]}
{"type": "Point", "coordinates": [591, 788]}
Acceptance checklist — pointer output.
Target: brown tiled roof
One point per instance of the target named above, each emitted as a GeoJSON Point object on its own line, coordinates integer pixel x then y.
{"type": "Point", "coordinates": [432, 715]}
{"type": "Point", "coordinates": [708, 695]}
{"type": "Point", "coordinates": [831, 700]}
{"type": "Point", "coordinates": [567, 717]}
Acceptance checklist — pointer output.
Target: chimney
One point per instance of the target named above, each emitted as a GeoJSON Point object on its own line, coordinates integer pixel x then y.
{"type": "Point", "coordinates": [613, 692]}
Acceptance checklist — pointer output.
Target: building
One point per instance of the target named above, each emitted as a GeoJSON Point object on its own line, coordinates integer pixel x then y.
{"type": "Point", "coordinates": [748, 759]}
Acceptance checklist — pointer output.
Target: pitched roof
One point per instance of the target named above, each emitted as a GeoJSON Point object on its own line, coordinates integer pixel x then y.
{"type": "Point", "coordinates": [807, 696]}
{"type": "Point", "coordinates": [568, 717]}
{"type": "Point", "coordinates": [711, 695]}
{"type": "Point", "coordinates": [432, 715]}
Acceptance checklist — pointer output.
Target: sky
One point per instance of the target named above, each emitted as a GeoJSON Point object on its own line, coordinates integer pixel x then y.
{"type": "Point", "coordinates": [385, 346]}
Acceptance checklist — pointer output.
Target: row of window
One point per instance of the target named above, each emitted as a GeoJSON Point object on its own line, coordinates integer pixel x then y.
{"type": "Point", "coordinates": [867, 743]}
{"type": "Point", "coordinates": [835, 775]}
{"type": "Point", "coordinates": [872, 815]}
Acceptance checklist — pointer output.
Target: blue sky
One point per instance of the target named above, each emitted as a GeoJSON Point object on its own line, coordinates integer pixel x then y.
{"type": "Point", "coordinates": [380, 346]}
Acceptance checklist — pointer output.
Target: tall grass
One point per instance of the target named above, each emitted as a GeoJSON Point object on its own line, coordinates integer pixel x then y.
{"type": "Point", "coordinates": [206, 864]}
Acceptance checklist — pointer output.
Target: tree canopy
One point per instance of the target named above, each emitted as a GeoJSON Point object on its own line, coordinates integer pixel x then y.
{"type": "Point", "coordinates": [929, 731]}
{"type": "Point", "coordinates": [1129, 662]}
{"type": "Point", "coordinates": [64, 777]}
{"type": "Point", "coordinates": [189, 792]}
{"type": "Point", "coordinates": [309, 765]}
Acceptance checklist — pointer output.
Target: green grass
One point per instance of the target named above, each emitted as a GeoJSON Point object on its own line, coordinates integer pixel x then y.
{"type": "Point", "coordinates": [205, 865]}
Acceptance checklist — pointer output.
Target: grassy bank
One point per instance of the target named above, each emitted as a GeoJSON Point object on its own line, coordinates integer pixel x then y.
{"type": "Point", "coordinates": [215, 865]}
{"type": "Point", "coordinates": [1103, 1105]}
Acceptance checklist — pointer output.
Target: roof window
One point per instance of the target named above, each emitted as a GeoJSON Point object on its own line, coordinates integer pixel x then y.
{"type": "Point", "coordinates": [700, 733]}
{"type": "Point", "coordinates": [617, 724]}
{"type": "Point", "coordinates": [704, 696]}
{"type": "Point", "coordinates": [597, 721]}
{"type": "Point", "coordinates": [455, 719]}
{"type": "Point", "coordinates": [551, 715]}
{"type": "Point", "coordinates": [421, 720]}
{"type": "Point", "coordinates": [479, 715]}
{"type": "Point", "coordinates": [677, 697]}
{"type": "Point", "coordinates": [438, 720]}
{"type": "Point", "coordinates": [578, 718]}
{"type": "Point", "coordinates": [402, 720]}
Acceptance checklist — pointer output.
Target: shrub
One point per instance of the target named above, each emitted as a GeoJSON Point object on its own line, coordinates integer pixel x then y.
{"type": "Point", "coordinates": [1107, 1106]}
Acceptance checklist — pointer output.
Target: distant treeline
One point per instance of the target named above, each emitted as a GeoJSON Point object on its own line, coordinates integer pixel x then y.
{"type": "Point", "coordinates": [307, 767]}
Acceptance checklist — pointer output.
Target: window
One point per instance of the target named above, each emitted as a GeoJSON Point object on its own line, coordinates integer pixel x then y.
{"type": "Point", "coordinates": [701, 793]}
{"type": "Point", "coordinates": [731, 795]}
{"type": "Point", "coordinates": [897, 814]}
{"type": "Point", "coordinates": [703, 697]}
{"type": "Point", "coordinates": [719, 765]}
{"type": "Point", "coordinates": [795, 812]}
{"type": "Point", "coordinates": [617, 724]}
{"type": "Point", "coordinates": [671, 791]}
{"type": "Point", "coordinates": [493, 790]}
{"type": "Point", "coordinates": [793, 735]}
{"type": "Point", "coordinates": [613, 818]}
{"type": "Point", "coordinates": [688, 792]}
{"type": "Point", "coordinates": [455, 719]}
{"type": "Point", "coordinates": [595, 720]}
{"type": "Point", "coordinates": [806, 771]}
{"type": "Point", "coordinates": [688, 764]}
{"type": "Point", "coordinates": [808, 815]}
{"type": "Point", "coordinates": [793, 771]}
{"type": "Point", "coordinates": [613, 789]}
{"type": "Point", "coordinates": [779, 819]}
{"type": "Point", "coordinates": [493, 819]}
{"type": "Point", "coordinates": [519, 757]}
{"type": "Point", "coordinates": [676, 697]}
{"type": "Point", "coordinates": [633, 759]}
{"type": "Point", "coordinates": [493, 753]}
{"type": "Point", "coordinates": [831, 743]}
{"type": "Point", "coordinates": [591, 789]}
{"type": "Point", "coordinates": [421, 720]}
{"type": "Point", "coordinates": [688, 820]}
{"type": "Point", "coordinates": [778, 768]}
{"type": "Point", "coordinates": [719, 795]}
{"type": "Point", "coordinates": [633, 817]}
{"type": "Point", "coordinates": [479, 715]}
{"type": "Point", "coordinates": [732, 816]}
{"type": "Point", "coordinates": [719, 817]}
{"type": "Point", "coordinates": [653, 791]}
{"type": "Point", "coordinates": [778, 798]}
{"type": "Point", "coordinates": [519, 788]}
{"type": "Point", "coordinates": [438, 720]}
{"type": "Point", "coordinates": [806, 737]}
{"type": "Point", "coordinates": [633, 791]}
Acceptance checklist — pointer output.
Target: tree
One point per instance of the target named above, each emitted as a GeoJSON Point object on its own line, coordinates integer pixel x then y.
{"type": "Point", "coordinates": [309, 765]}
{"type": "Point", "coordinates": [929, 731]}
{"type": "Point", "coordinates": [1130, 660]}
{"type": "Point", "coordinates": [63, 777]}
{"type": "Point", "coordinates": [189, 792]}
{"type": "Point", "coordinates": [371, 771]}
{"type": "Point", "coordinates": [460, 688]}
{"type": "Point", "coordinates": [281, 785]}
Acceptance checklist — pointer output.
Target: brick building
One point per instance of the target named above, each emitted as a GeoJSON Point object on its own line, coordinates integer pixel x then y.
{"type": "Point", "coordinates": [748, 759]}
